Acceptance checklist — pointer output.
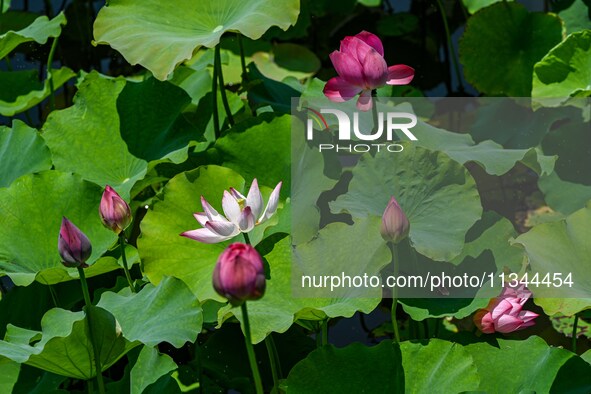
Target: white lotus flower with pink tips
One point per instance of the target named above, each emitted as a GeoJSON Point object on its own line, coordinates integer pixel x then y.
{"type": "Point", "coordinates": [241, 214]}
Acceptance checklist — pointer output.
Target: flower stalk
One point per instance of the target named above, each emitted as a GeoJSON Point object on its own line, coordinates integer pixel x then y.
{"type": "Point", "coordinates": [214, 96]}
{"type": "Point", "coordinates": [218, 62]}
{"type": "Point", "coordinates": [450, 45]}
{"type": "Point", "coordinates": [50, 73]}
{"type": "Point", "coordinates": [250, 350]}
{"type": "Point", "coordinates": [395, 262]}
{"type": "Point", "coordinates": [124, 258]}
{"type": "Point", "coordinates": [574, 339]}
{"type": "Point", "coordinates": [96, 354]}
{"type": "Point", "coordinates": [271, 351]}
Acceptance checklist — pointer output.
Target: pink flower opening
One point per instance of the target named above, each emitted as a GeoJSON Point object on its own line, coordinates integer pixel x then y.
{"type": "Point", "coordinates": [505, 313]}
{"type": "Point", "coordinates": [362, 68]}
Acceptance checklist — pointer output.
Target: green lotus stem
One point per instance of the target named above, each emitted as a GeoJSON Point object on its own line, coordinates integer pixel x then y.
{"type": "Point", "coordinates": [250, 350]}
{"type": "Point", "coordinates": [574, 343]}
{"type": "Point", "coordinates": [426, 328]}
{"type": "Point", "coordinates": [53, 296]}
{"type": "Point", "coordinates": [124, 258]}
{"type": "Point", "coordinates": [272, 362]}
{"type": "Point", "coordinates": [50, 73]}
{"type": "Point", "coordinates": [242, 58]}
{"type": "Point", "coordinates": [218, 61]}
{"type": "Point", "coordinates": [395, 261]}
{"type": "Point", "coordinates": [246, 239]}
{"type": "Point", "coordinates": [324, 328]}
{"type": "Point", "coordinates": [276, 355]}
{"type": "Point", "coordinates": [374, 110]}
{"type": "Point", "coordinates": [214, 92]}
{"type": "Point", "coordinates": [450, 45]}
{"type": "Point", "coordinates": [96, 354]}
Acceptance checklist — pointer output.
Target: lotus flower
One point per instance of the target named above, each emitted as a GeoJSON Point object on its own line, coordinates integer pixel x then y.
{"type": "Point", "coordinates": [361, 67]}
{"type": "Point", "coordinates": [114, 211]}
{"type": "Point", "coordinates": [395, 225]}
{"type": "Point", "coordinates": [73, 245]}
{"type": "Point", "coordinates": [239, 274]}
{"type": "Point", "coordinates": [241, 215]}
{"type": "Point", "coordinates": [505, 313]}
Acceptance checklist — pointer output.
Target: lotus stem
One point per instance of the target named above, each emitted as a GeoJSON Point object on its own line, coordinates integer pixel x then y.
{"type": "Point", "coordinates": [272, 361]}
{"type": "Point", "coordinates": [450, 45]}
{"type": "Point", "coordinates": [218, 61]}
{"type": "Point", "coordinates": [395, 261]}
{"type": "Point", "coordinates": [242, 58]}
{"type": "Point", "coordinates": [124, 258]}
{"type": "Point", "coordinates": [96, 354]}
{"type": "Point", "coordinates": [250, 350]}
{"type": "Point", "coordinates": [214, 92]}
{"type": "Point", "coordinates": [50, 73]}
{"type": "Point", "coordinates": [574, 339]}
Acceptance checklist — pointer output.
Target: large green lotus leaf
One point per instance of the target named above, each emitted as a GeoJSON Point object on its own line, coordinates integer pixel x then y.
{"type": "Point", "coordinates": [424, 183]}
{"type": "Point", "coordinates": [9, 371]}
{"type": "Point", "coordinates": [23, 152]}
{"type": "Point", "coordinates": [502, 43]}
{"type": "Point", "coordinates": [285, 300]}
{"type": "Point", "coordinates": [565, 71]}
{"type": "Point", "coordinates": [308, 183]}
{"type": "Point", "coordinates": [148, 368]}
{"type": "Point", "coordinates": [287, 60]}
{"type": "Point", "coordinates": [22, 90]}
{"type": "Point", "coordinates": [475, 5]}
{"type": "Point", "coordinates": [529, 365]}
{"type": "Point", "coordinates": [439, 366]}
{"type": "Point", "coordinates": [160, 35]}
{"type": "Point", "coordinates": [562, 247]}
{"type": "Point", "coordinates": [570, 143]}
{"type": "Point", "coordinates": [492, 233]}
{"type": "Point", "coordinates": [32, 209]}
{"type": "Point", "coordinates": [63, 346]}
{"type": "Point", "coordinates": [39, 31]}
{"type": "Point", "coordinates": [576, 17]}
{"type": "Point", "coordinates": [163, 252]}
{"type": "Point", "coordinates": [85, 138]}
{"type": "Point", "coordinates": [353, 369]}
{"type": "Point", "coordinates": [169, 313]}
{"type": "Point", "coordinates": [152, 123]}
{"type": "Point", "coordinates": [491, 156]}
{"type": "Point", "coordinates": [562, 196]}
{"type": "Point", "coordinates": [259, 148]}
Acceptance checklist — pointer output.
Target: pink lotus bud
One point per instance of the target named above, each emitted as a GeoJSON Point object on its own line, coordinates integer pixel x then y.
{"type": "Point", "coordinates": [73, 246]}
{"type": "Point", "coordinates": [505, 314]}
{"type": "Point", "coordinates": [114, 211]}
{"type": "Point", "coordinates": [395, 225]}
{"type": "Point", "coordinates": [239, 274]}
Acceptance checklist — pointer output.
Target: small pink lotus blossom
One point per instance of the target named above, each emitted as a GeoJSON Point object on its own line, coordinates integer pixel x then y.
{"type": "Point", "coordinates": [361, 67]}
{"type": "Point", "coordinates": [395, 225]}
{"type": "Point", "coordinates": [114, 211]}
{"type": "Point", "coordinates": [239, 274]}
{"type": "Point", "coordinates": [504, 314]}
{"type": "Point", "coordinates": [242, 214]}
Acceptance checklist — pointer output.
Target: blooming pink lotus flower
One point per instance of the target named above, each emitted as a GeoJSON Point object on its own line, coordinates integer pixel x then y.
{"type": "Point", "coordinates": [239, 274]}
{"type": "Point", "coordinates": [242, 214]}
{"type": "Point", "coordinates": [73, 245]}
{"type": "Point", "coordinates": [361, 67]}
{"type": "Point", "coordinates": [395, 225]}
{"type": "Point", "coordinates": [114, 211]}
{"type": "Point", "coordinates": [504, 314]}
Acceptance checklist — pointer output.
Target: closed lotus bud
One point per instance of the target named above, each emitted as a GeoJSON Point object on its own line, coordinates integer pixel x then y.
{"type": "Point", "coordinates": [239, 274]}
{"type": "Point", "coordinates": [395, 225]}
{"type": "Point", "coordinates": [73, 246]}
{"type": "Point", "coordinates": [114, 211]}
